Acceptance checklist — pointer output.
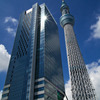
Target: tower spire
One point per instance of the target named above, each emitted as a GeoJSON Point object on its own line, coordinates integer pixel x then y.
{"type": "Point", "coordinates": [64, 8]}
{"type": "Point", "coordinates": [66, 17]}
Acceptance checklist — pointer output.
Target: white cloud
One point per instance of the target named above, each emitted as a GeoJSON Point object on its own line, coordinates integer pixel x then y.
{"type": "Point", "coordinates": [95, 30]}
{"type": "Point", "coordinates": [11, 25]}
{"type": "Point", "coordinates": [94, 73]}
{"type": "Point", "coordinates": [4, 58]}
{"type": "Point", "coordinates": [68, 90]}
{"type": "Point", "coordinates": [11, 31]}
{"type": "Point", "coordinates": [11, 19]}
{"type": "Point", "coordinates": [0, 94]}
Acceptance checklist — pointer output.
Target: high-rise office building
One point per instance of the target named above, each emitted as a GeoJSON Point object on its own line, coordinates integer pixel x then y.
{"type": "Point", "coordinates": [35, 68]}
{"type": "Point", "coordinates": [81, 86]}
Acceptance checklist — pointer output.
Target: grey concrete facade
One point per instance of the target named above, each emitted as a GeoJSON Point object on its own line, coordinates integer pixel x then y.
{"type": "Point", "coordinates": [81, 85]}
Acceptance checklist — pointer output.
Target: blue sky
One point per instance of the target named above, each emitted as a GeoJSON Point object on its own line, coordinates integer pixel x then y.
{"type": "Point", "coordinates": [87, 30]}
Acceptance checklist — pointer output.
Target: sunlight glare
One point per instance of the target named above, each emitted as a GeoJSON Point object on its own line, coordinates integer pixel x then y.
{"type": "Point", "coordinates": [44, 18]}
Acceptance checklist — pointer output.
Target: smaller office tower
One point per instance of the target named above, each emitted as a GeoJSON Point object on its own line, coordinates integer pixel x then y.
{"type": "Point", "coordinates": [81, 86]}
{"type": "Point", "coordinates": [35, 69]}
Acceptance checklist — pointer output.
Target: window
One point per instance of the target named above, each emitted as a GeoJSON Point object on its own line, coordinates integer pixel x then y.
{"type": "Point", "coordinates": [39, 89]}
{"type": "Point", "coordinates": [39, 96]}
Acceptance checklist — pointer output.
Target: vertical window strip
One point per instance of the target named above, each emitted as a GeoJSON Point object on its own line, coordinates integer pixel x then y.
{"type": "Point", "coordinates": [26, 32]}
{"type": "Point", "coordinates": [23, 44]}
{"type": "Point", "coordinates": [24, 39]}
{"type": "Point", "coordinates": [19, 51]}
{"type": "Point", "coordinates": [21, 47]}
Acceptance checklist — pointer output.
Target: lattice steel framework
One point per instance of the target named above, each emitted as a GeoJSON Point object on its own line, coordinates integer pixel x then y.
{"type": "Point", "coordinates": [81, 85]}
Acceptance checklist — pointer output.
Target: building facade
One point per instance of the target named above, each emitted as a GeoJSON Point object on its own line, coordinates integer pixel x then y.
{"type": "Point", "coordinates": [81, 85]}
{"type": "Point", "coordinates": [35, 68]}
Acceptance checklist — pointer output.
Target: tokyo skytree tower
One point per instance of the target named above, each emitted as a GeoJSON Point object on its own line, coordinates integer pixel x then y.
{"type": "Point", "coordinates": [81, 85]}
